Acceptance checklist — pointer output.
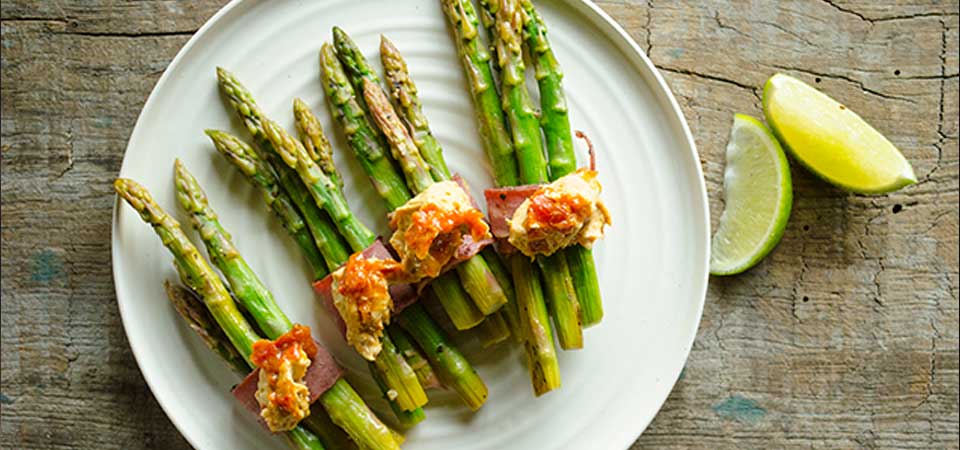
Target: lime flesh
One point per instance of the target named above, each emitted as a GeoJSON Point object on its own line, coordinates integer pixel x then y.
{"type": "Point", "coordinates": [757, 194]}
{"type": "Point", "coordinates": [832, 141]}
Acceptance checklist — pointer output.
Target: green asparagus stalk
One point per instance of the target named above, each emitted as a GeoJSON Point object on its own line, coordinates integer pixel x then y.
{"type": "Point", "coordinates": [461, 373]}
{"type": "Point", "coordinates": [482, 86]}
{"type": "Point", "coordinates": [455, 301]}
{"type": "Point", "coordinates": [264, 178]}
{"type": "Point", "coordinates": [541, 355]}
{"type": "Point", "coordinates": [454, 370]}
{"type": "Point", "coordinates": [404, 93]}
{"type": "Point", "coordinates": [386, 179]}
{"type": "Point", "coordinates": [493, 330]}
{"type": "Point", "coordinates": [475, 274]}
{"type": "Point", "coordinates": [509, 310]}
{"type": "Point", "coordinates": [562, 160]}
{"type": "Point", "coordinates": [414, 356]}
{"type": "Point", "coordinates": [321, 227]}
{"type": "Point", "coordinates": [562, 300]}
{"type": "Point", "coordinates": [202, 322]}
{"type": "Point", "coordinates": [517, 105]}
{"type": "Point", "coordinates": [197, 275]}
{"type": "Point", "coordinates": [404, 151]}
{"type": "Point", "coordinates": [396, 372]}
{"type": "Point", "coordinates": [324, 191]}
{"type": "Point", "coordinates": [301, 438]}
{"type": "Point", "coordinates": [407, 419]}
{"type": "Point", "coordinates": [314, 141]}
{"type": "Point", "coordinates": [585, 281]}
{"type": "Point", "coordinates": [364, 140]}
{"type": "Point", "coordinates": [347, 410]}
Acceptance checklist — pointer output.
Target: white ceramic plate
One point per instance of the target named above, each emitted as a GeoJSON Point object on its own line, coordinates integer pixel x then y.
{"type": "Point", "coordinates": [652, 265]}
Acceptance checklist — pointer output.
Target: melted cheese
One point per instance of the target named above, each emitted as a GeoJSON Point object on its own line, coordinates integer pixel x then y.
{"type": "Point", "coordinates": [282, 393]}
{"type": "Point", "coordinates": [360, 291]}
{"type": "Point", "coordinates": [430, 228]}
{"type": "Point", "coordinates": [283, 397]}
{"type": "Point", "coordinates": [560, 214]}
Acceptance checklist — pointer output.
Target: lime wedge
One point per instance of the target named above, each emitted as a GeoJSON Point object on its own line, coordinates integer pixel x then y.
{"type": "Point", "coordinates": [832, 141]}
{"type": "Point", "coordinates": [757, 194]}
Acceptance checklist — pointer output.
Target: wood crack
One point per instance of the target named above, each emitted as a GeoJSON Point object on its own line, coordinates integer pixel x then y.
{"type": "Point", "coordinates": [705, 76]}
{"type": "Point", "coordinates": [848, 79]}
{"type": "Point", "coordinates": [872, 20]}
{"type": "Point", "coordinates": [132, 34]}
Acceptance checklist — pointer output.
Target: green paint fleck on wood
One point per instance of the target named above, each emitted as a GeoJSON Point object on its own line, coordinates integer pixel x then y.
{"type": "Point", "coordinates": [739, 408]}
{"type": "Point", "coordinates": [46, 266]}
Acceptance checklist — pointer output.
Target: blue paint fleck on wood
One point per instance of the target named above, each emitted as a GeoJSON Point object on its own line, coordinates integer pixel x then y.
{"type": "Point", "coordinates": [5, 400]}
{"type": "Point", "coordinates": [739, 408]}
{"type": "Point", "coordinates": [46, 266]}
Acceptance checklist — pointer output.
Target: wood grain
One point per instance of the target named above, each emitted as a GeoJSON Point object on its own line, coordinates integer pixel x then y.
{"type": "Point", "coordinates": [845, 337]}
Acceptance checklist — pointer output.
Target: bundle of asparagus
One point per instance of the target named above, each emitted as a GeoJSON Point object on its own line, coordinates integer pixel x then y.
{"type": "Point", "coordinates": [355, 97]}
{"type": "Point", "coordinates": [340, 403]}
{"type": "Point", "coordinates": [287, 163]}
{"type": "Point", "coordinates": [310, 158]}
{"type": "Point", "coordinates": [511, 134]}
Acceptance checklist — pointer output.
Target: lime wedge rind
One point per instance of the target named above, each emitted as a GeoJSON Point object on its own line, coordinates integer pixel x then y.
{"type": "Point", "coordinates": [758, 198]}
{"type": "Point", "coordinates": [831, 141]}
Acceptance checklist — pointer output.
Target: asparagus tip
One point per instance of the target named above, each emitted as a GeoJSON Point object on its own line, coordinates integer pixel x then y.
{"type": "Point", "coordinates": [338, 33]}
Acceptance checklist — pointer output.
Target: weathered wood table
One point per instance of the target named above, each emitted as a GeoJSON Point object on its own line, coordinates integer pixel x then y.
{"type": "Point", "coordinates": [846, 336]}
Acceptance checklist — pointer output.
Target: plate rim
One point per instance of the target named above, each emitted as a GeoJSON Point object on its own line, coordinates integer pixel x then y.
{"type": "Point", "coordinates": [613, 30]}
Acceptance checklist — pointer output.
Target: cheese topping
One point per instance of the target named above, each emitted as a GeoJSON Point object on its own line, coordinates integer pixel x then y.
{"type": "Point", "coordinates": [430, 228]}
{"type": "Point", "coordinates": [281, 391]}
{"type": "Point", "coordinates": [361, 294]}
{"type": "Point", "coordinates": [560, 214]}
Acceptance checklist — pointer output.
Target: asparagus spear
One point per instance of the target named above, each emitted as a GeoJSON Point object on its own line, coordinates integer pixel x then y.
{"type": "Point", "coordinates": [193, 269]}
{"type": "Point", "coordinates": [414, 356]}
{"type": "Point", "coordinates": [454, 371]}
{"type": "Point", "coordinates": [364, 140]}
{"type": "Point", "coordinates": [362, 425]}
{"type": "Point", "coordinates": [541, 355]}
{"type": "Point", "coordinates": [259, 302]}
{"type": "Point", "coordinates": [202, 322]}
{"type": "Point", "coordinates": [321, 228]}
{"type": "Point", "coordinates": [563, 304]}
{"type": "Point", "coordinates": [404, 150]}
{"type": "Point", "coordinates": [386, 179]}
{"type": "Point", "coordinates": [509, 310]}
{"type": "Point", "coordinates": [453, 368]}
{"type": "Point", "coordinates": [562, 160]}
{"type": "Point", "coordinates": [404, 93]}
{"type": "Point", "coordinates": [476, 63]}
{"type": "Point", "coordinates": [314, 141]}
